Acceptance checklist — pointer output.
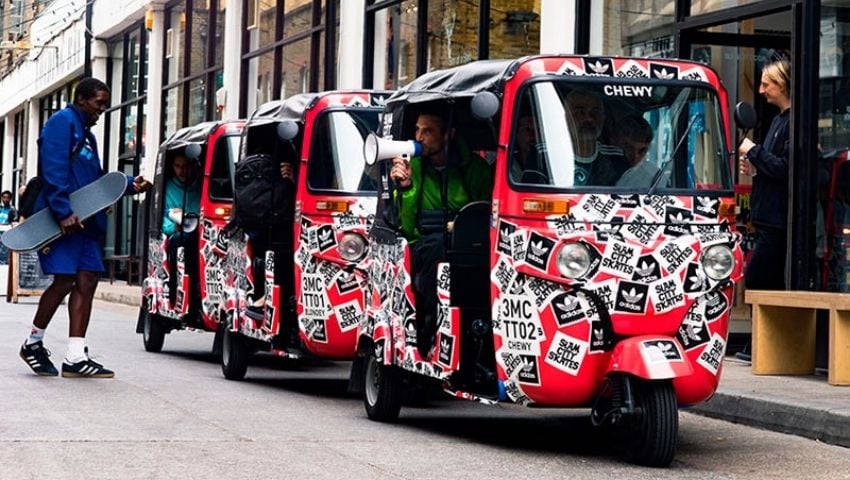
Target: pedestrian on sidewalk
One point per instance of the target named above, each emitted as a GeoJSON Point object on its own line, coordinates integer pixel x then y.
{"type": "Point", "coordinates": [68, 160]}
{"type": "Point", "coordinates": [8, 213]}
{"type": "Point", "coordinates": [768, 165]}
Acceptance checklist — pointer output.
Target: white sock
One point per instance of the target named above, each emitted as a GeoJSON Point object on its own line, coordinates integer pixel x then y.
{"type": "Point", "coordinates": [36, 335]}
{"type": "Point", "coordinates": [76, 350]}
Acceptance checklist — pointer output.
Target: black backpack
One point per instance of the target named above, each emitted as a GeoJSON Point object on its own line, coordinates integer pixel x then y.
{"type": "Point", "coordinates": [261, 196]}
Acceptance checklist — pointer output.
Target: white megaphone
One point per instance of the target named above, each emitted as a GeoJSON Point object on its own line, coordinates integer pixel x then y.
{"type": "Point", "coordinates": [376, 148]}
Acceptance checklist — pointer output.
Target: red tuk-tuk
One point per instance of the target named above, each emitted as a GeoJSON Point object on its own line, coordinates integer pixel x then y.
{"type": "Point", "coordinates": [593, 278]}
{"type": "Point", "coordinates": [313, 294]}
{"type": "Point", "coordinates": [182, 287]}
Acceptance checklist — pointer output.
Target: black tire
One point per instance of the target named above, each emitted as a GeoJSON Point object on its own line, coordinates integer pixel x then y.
{"type": "Point", "coordinates": [382, 391]}
{"type": "Point", "coordinates": [651, 435]}
{"type": "Point", "coordinates": [235, 354]}
{"type": "Point", "coordinates": [153, 332]}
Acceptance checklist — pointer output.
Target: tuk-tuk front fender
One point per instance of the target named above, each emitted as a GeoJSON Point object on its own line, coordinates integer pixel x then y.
{"type": "Point", "coordinates": [650, 357]}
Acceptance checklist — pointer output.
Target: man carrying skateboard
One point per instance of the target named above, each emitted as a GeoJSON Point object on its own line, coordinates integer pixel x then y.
{"type": "Point", "coordinates": [68, 160]}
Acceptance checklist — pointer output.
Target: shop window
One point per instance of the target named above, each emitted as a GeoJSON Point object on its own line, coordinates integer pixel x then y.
{"type": "Point", "coordinates": [295, 68]}
{"type": "Point", "coordinates": [172, 112]}
{"type": "Point", "coordinates": [514, 28]}
{"type": "Point", "coordinates": [260, 80]}
{"type": "Point", "coordinates": [175, 47]}
{"type": "Point", "coordinates": [452, 33]}
{"type": "Point", "coordinates": [197, 101]}
{"type": "Point", "coordinates": [200, 37]}
{"type": "Point", "coordinates": [395, 27]}
{"type": "Point", "coordinates": [709, 6]}
{"type": "Point", "coordinates": [639, 28]}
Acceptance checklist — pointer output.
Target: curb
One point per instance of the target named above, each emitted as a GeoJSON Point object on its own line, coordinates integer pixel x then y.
{"type": "Point", "coordinates": [829, 425]}
{"type": "Point", "coordinates": [122, 298]}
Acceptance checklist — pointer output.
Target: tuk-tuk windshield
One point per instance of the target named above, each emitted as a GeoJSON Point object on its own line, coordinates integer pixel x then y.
{"type": "Point", "coordinates": [618, 134]}
{"type": "Point", "coordinates": [337, 163]}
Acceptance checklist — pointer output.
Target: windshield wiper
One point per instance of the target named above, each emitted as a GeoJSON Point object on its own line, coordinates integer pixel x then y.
{"type": "Point", "coordinates": [660, 173]}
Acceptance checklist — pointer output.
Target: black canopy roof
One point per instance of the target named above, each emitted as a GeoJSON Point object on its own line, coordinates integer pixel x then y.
{"type": "Point", "coordinates": [292, 108]}
{"type": "Point", "coordinates": [195, 134]}
{"type": "Point", "coordinates": [462, 81]}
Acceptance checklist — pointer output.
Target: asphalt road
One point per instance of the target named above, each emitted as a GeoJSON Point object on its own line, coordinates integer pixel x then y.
{"type": "Point", "coordinates": [173, 415]}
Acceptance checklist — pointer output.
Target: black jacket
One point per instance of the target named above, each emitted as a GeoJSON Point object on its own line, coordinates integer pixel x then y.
{"type": "Point", "coordinates": [769, 201]}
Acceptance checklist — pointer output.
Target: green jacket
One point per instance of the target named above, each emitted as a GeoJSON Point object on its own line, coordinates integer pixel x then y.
{"type": "Point", "coordinates": [469, 181]}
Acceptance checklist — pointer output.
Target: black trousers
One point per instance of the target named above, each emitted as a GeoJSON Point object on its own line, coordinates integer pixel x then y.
{"type": "Point", "coordinates": [189, 242]}
{"type": "Point", "coordinates": [426, 253]}
{"type": "Point", "coordinates": [766, 268]}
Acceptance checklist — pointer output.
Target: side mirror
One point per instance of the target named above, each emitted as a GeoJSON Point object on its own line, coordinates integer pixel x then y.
{"type": "Point", "coordinates": [745, 116]}
{"type": "Point", "coordinates": [484, 105]}
{"type": "Point", "coordinates": [193, 151]}
{"type": "Point", "coordinates": [287, 130]}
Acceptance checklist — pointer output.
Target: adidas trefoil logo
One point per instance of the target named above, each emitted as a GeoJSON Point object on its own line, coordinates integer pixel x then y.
{"type": "Point", "coordinates": [568, 304]}
{"type": "Point", "coordinates": [599, 67]}
{"type": "Point", "coordinates": [632, 296]}
{"type": "Point", "coordinates": [444, 345]}
{"type": "Point", "coordinates": [325, 235]}
{"type": "Point", "coordinates": [538, 248]}
{"type": "Point", "coordinates": [645, 268]}
{"type": "Point", "coordinates": [664, 74]}
{"type": "Point", "coordinates": [679, 218]}
{"type": "Point", "coordinates": [706, 202]}
{"type": "Point", "coordinates": [505, 235]}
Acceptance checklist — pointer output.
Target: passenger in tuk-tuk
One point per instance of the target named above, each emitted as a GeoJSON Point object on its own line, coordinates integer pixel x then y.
{"type": "Point", "coordinates": [597, 164]}
{"type": "Point", "coordinates": [182, 196]}
{"type": "Point", "coordinates": [527, 165]}
{"type": "Point", "coordinates": [432, 187]}
{"type": "Point", "coordinates": [634, 135]}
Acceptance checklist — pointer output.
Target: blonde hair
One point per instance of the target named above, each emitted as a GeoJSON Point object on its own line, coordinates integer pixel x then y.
{"type": "Point", "coordinates": [779, 72]}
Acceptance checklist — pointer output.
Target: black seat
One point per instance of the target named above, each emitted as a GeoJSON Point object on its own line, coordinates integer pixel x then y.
{"type": "Point", "coordinates": [469, 255]}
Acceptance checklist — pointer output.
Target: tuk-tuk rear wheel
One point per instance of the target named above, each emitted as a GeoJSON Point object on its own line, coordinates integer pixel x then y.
{"type": "Point", "coordinates": [235, 354]}
{"type": "Point", "coordinates": [652, 432]}
{"type": "Point", "coordinates": [382, 391]}
{"type": "Point", "coordinates": [153, 333]}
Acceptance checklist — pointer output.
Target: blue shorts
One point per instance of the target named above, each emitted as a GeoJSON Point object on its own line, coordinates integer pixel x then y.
{"type": "Point", "coordinates": [71, 254]}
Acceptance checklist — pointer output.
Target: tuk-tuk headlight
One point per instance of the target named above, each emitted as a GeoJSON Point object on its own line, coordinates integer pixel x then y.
{"type": "Point", "coordinates": [352, 247]}
{"type": "Point", "coordinates": [718, 261]}
{"type": "Point", "coordinates": [573, 260]}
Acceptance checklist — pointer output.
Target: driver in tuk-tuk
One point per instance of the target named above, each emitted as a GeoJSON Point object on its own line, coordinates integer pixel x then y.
{"type": "Point", "coordinates": [432, 188]}
{"type": "Point", "coordinates": [182, 195]}
{"type": "Point", "coordinates": [597, 164]}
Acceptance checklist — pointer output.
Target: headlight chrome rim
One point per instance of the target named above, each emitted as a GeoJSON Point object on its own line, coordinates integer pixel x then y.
{"type": "Point", "coordinates": [718, 262]}
{"type": "Point", "coordinates": [352, 247]}
{"type": "Point", "coordinates": [573, 260]}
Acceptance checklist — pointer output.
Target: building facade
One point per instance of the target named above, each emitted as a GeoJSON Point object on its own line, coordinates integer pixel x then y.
{"type": "Point", "coordinates": [176, 63]}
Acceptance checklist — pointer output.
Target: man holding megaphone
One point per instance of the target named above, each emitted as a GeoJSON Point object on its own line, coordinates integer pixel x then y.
{"type": "Point", "coordinates": [431, 187]}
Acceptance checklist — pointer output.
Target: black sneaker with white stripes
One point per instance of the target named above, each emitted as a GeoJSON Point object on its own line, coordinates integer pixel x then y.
{"type": "Point", "coordinates": [85, 368]}
{"type": "Point", "coordinates": [38, 358]}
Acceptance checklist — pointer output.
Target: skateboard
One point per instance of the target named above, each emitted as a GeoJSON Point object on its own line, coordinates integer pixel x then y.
{"type": "Point", "coordinates": [40, 228]}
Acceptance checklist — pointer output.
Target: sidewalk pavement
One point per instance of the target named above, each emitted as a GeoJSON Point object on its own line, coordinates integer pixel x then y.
{"type": "Point", "coordinates": [801, 405]}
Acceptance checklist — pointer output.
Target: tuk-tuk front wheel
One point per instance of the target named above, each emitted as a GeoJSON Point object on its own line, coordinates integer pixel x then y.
{"type": "Point", "coordinates": [235, 354]}
{"type": "Point", "coordinates": [382, 391]}
{"type": "Point", "coordinates": [651, 432]}
{"type": "Point", "coordinates": [153, 332]}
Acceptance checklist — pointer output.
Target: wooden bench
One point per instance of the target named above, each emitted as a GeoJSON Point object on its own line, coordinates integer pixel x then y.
{"type": "Point", "coordinates": [130, 260]}
{"type": "Point", "coordinates": [784, 332]}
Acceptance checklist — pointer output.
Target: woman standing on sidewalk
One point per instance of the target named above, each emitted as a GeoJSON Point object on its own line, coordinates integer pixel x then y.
{"type": "Point", "coordinates": [768, 165]}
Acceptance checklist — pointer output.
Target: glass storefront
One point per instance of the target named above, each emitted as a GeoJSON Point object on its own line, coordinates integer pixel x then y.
{"type": "Point", "coordinates": [284, 49]}
{"type": "Point", "coordinates": [408, 42]}
{"type": "Point", "coordinates": [194, 55]}
{"type": "Point", "coordinates": [738, 38]}
{"type": "Point", "coordinates": [124, 129]}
